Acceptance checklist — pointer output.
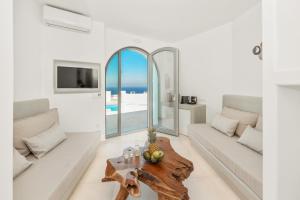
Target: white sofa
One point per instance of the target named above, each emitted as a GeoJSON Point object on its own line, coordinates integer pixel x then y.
{"type": "Point", "coordinates": [238, 165]}
{"type": "Point", "coordinates": [55, 175]}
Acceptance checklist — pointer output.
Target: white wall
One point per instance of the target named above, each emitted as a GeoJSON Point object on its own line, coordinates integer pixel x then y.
{"type": "Point", "coordinates": [6, 99]}
{"type": "Point", "coordinates": [220, 61]}
{"type": "Point", "coordinates": [247, 68]}
{"type": "Point", "coordinates": [116, 40]}
{"type": "Point", "coordinates": [281, 78]}
{"type": "Point", "coordinates": [270, 107]}
{"type": "Point", "coordinates": [37, 45]}
{"type": "Point", "coordinates": [206, 66]}
{"type": "Point", "coordinates": [78, 112]}
{"type": "Point", "coordinates": [27, 51]}
{"type": "Point", "coordinates": [212, 63]}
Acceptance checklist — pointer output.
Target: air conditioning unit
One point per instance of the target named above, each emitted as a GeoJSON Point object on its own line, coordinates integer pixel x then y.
{"type": "Point", "coordinates": [66, 19]}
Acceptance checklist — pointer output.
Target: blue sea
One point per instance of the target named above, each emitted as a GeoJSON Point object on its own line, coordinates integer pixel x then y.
{"type": "Point", "coordinates": [136, 90]}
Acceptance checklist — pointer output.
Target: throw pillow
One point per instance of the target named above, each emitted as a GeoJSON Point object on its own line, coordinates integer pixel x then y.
{"type": "Point", "coordinates": [253, 139]}
{"type": "Point", "coordinates": [40, 144]}
{"type": "Point", "coordinates": [245, 118]}
{"type": "Point", "coordinates": [31, 126]}
{"type": "Point", "coordinates": [224, 124]}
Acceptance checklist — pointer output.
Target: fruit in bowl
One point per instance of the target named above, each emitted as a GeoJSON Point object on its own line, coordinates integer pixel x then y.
{"type": "Point", "coordinates": [155, 157]}
{"type": "Point", "coordinates": [153, 153]}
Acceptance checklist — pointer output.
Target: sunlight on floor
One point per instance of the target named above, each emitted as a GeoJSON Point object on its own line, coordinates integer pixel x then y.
{"type": "Point", "coordinates": [203, 184]}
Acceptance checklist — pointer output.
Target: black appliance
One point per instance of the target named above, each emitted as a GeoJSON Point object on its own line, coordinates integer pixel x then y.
{"type": "Point", "coordinates": [185, 99]}
{"type": "Point", "coordinates": [193, 100]}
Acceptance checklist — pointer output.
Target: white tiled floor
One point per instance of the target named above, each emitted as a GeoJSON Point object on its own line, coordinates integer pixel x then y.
{"type": "Point", "coordinates": [203, 184]}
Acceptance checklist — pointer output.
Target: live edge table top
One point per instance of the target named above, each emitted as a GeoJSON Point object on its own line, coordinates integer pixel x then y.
{"type": "Point", "coordinates": [165, 178]}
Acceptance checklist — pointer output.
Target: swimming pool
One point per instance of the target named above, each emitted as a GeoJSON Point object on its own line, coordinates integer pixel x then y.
{"type": "Point", "coordinates": [112, 107]}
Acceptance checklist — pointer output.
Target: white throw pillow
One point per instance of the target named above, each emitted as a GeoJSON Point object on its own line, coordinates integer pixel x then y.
{"type": "Point", "coordinates": [40, 144]}
{"type": "Point", "coordinates": [225, 125]}
{"type": "Point", "coordinates": [20, 163]}
{"type": "Point", "coordinates": [245, 118]}
{"type": "Point", "coordinates": [32, 126]}
{"type": "Point", "coordinates": [253, 139]}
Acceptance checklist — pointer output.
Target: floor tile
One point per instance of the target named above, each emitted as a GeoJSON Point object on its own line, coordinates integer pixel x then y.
{"type": "Point", "coordinates": [203, 184]}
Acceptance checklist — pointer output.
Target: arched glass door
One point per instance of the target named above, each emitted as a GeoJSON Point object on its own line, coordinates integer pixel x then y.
{"type": "Point", "coordinates": [163, 90]}
{"type": "Point", "coordinates": [142, 91]}
{"type": "Point", "coordinates": [126, 92]}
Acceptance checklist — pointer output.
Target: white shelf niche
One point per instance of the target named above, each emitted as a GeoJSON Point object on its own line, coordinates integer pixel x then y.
{"type": "Point", "coordinates": [287, 77]}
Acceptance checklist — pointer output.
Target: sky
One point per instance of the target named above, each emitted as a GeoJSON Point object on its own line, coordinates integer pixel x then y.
{"type": "Point", "coordinates": [134, 69]}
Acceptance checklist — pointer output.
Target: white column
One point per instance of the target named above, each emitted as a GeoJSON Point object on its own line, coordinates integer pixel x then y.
{"type": "Point", "coordinates": [6, 98]}
{"type": "Point", "coordinates": [281, 99]}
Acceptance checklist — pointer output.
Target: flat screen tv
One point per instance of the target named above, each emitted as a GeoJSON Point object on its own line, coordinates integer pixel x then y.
{"type": "Point", "coordinates": [76, 77]}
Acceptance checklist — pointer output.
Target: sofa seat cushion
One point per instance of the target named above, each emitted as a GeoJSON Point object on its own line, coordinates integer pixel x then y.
{"type": "Point", "coordinates": [245, 163]}
{"type": "Point", "coordinates": [54, 175]}
{"type": "Point", "coordinates": [20, 163]}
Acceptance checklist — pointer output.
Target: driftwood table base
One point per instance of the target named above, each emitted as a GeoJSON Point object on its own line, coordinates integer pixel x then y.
{"type": "Point", "coordinates": [122, 194]}
{"type": "Point", "coordinates": [165, 178]}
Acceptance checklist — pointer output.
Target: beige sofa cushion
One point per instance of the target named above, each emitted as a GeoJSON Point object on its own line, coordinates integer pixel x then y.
{"type": "Point", "coordinates": [245, 118]}
{"type": "Point", "coordinates": [31, 126]}
{"type": "Point", "coordinates": [20, 163]}
{"type": "Point", "coordinates": [245, 163]}
{"type": "Point", "coordinates": [54, 176]}
{"type": "Point", "coordinates": [40, 144]}
{"type": "Point", "coordinates": [224, 124]}
{"type": "Point", "coordinates": [253, 139]}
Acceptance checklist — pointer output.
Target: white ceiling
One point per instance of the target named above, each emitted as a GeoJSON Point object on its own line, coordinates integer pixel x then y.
{"type": "Point", "coordinates": [166, 20]}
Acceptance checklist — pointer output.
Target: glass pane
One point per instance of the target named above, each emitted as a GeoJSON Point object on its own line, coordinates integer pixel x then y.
{"type": "Point", "coordinates": [134, 90]}
{"type": "Point", "coordinates": [155, 96]}
{"type": "Point", "coordinates": [164, 101]}
{"type": "Point", "coordinates": [111, 107]}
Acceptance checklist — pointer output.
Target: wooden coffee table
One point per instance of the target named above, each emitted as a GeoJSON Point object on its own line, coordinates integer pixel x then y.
{"type": "Point", "coordinates": [165, 178]}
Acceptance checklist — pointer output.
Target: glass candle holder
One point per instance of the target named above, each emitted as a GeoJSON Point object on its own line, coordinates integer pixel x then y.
{"type": "Point", "coordinates": [131, 154]}
{"type": "Point", "coordinates": [126, 156]}
{"type": "Point", "coordinates": [137, 150]}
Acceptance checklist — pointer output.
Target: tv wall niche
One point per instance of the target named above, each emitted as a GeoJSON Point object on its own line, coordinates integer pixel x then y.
{"type": "Point", "coordinates": [76, 77]}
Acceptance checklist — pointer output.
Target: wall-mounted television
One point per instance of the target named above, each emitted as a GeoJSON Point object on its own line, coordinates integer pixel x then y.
{"type": "Point", "coordinates": [76, 77]}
